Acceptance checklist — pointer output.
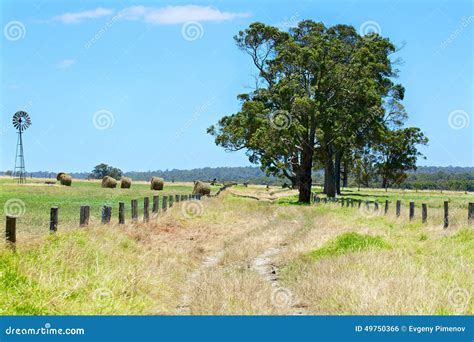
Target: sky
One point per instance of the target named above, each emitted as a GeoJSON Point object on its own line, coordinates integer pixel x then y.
{"type": "Point", "coordinates": [135, 84]}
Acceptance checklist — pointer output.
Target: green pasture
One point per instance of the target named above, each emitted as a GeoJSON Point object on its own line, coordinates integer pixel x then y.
{"type": "Point", "coordinates": [35, 198]}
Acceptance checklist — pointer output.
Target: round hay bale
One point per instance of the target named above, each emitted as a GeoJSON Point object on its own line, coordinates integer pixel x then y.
{"type": "Point", "coordinates": [65, 179]}
{"type": "Point", "coordinates": [157, 183]}
{"type": "Point", "coordinates": [108, 182]}
{"type": "Point", "coordinates": [201, 188]}
{"type": "Point", "coordinates": [58, 176]}
{"type": "Point", "coordinates": [125, 183]}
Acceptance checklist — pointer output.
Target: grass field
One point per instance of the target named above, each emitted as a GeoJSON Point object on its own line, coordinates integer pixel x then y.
{"type": "Point", "coordinates": [35, 198]}
{"type": "Point", "coordinates": [248, 251]}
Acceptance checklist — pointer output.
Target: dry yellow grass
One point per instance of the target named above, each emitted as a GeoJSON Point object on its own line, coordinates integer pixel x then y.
{"type": "Point", "coordinates": [203, 261]}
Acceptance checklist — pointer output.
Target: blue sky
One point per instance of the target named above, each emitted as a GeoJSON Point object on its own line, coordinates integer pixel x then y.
{"type": "Point", "coordinates": [136, 84]}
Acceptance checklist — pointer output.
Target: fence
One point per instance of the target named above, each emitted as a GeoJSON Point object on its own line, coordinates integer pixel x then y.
{"type": "Point", "coordinates": [350, 202]}
{"type": "Point", "coordinates": [167, 202]}
{"type": "Point", "coordinates": [106, 214]}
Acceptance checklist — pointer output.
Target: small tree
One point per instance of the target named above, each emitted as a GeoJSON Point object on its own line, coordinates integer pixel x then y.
{"type": "Point", "coordinates": [102, 170]}
{"type": "Point", "coordinates": [397, 153]}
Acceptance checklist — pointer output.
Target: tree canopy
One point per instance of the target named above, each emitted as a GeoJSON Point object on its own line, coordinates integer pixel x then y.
{"type": "Point", "coordinates": [102, 170]}
{"type": "Point", "coordinates": [321, 93]}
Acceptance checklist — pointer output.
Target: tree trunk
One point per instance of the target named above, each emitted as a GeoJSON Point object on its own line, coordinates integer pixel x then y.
{"type": "Point", "coordinates": [384, 182]}
{"type": "Point", "coordinates": [345, 179]}
{"type": "Point", "coordinates": [305, 180]}
{"type": "Point", "coordinates": [326, 181]}
{"type": "Point", "coordinates": [337, 165]}
{"type": "Point", "coordinates": [330, 177]}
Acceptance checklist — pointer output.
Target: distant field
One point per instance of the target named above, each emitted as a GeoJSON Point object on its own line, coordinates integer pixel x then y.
{"type": "Point", "coordinates": [251, 250]}
{"type": "Point", "coordinates": [39, 197]}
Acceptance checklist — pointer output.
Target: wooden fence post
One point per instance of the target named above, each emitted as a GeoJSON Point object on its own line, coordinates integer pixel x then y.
{"type": "Point", "coordinates": [170, 201]}
{"type": "Point", "coordinates": [176, 197]}
{"type": "Point", "coordinates": [10, 232]}
{"type": "Point", "coordinates": [146, 206]}
{"type": "Point", "coordinates": [164, 204]}
{"type": "Point", "coordinates": [134, 210]}
{"type": "Point", "coordinates": [84, 216]}
{"type": "Point", "coordinates": [342, 202]}
{"type": "Point", "coordinates": [121, 213]}
{"type": "Point", "coordinates": [386, 207]}
{"type": "Point", "coordinates": [352, 203]}
{"type": "Point", "coordinates": [106, 214]}
{"type": "Point", "coordinates": [182, 198]}
{"type": "Point", "coordinates": [360, 203]}
{"type": "Point", "coordinates": [367, 205]}
{"type": "Point", "coordinates": [376, 205]}
{"type": "Point", "coordinates": [53, 219]}
{"type": "Point", "coordinates": [398, 207]}
{"type": "Point", "coordinates": [156, 204]}
{"type": "Point", "coordinates": [470, 213]}
{"type": "Point", "coordinates": [424, 212]}
{"type": "Point", "coordinates": [412, 210]}
{"type": "Point", "coordinates": [446, 214]}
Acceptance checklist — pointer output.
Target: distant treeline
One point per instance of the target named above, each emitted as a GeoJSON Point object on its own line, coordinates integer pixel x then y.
{"type": "Point", "coordinates": [426, 177]}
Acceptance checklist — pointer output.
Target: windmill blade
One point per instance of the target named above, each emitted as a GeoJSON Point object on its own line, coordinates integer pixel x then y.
{"type": "Point", "coordinates": [21, 120]}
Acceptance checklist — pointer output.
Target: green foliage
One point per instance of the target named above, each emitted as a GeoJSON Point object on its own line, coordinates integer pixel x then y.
{"type": "Point", "coordinates": [397, 152]}
{"type": "Point", "coordinates": [102, 170]}
{"type": "Point", "coordinates": [348, 242]}
{"type": "Point", "coordinates": [317, 86]}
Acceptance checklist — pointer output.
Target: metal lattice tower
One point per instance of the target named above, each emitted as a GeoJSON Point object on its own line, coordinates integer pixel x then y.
{"type": "Point", "coordinates": [21, 121]}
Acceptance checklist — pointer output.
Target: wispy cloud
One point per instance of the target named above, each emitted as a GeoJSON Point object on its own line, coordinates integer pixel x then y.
{"type": "Point", "coordinates": [178, 14]}
{"type": "Point", "coordinates": [77, 17]}
{"type": "Point", "coordinates": [66, 63]}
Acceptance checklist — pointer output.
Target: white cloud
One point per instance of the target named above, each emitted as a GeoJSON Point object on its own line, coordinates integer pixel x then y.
{"type": "Point", "coordinates": [77, 17]}
{"type": "Point", "coordinates": [66, 63]}
{"type": "Point", "coordinates": [178, 14]}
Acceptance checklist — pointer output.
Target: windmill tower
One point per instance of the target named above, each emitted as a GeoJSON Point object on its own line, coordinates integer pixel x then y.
{"type": "Point", "coordinates": [21, 121]}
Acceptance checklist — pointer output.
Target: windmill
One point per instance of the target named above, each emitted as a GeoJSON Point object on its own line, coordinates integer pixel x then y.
{"type": "Point", "coordinates": [21, 121]}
